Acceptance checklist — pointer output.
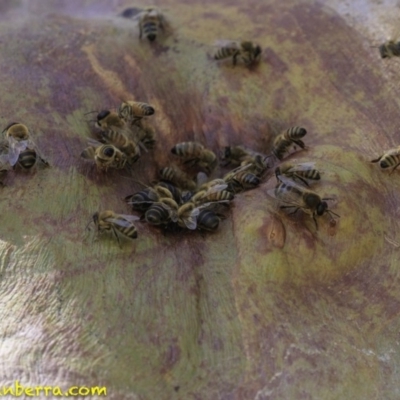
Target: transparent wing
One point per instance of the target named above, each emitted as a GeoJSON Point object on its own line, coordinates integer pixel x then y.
{"type": "Point", "coordinates": [201, 178]}
{"type": "Point", "coordinates": [15, 147]}
{"type": "Point", "coordinates": [231, 44]}
{"type": "Point", "coordinates": [4, 162]}
{"type": "Point", "coordinates": [121, 222]}
{"type": "Point", "coordinates": [308, 166]}
{"type": "Point", "coordinates": [128, 217]}
{"type": "Point", "coordinates": [289, 193]}
{"type": "Point", "coordinates": [190, 220]}
{"type": "Point", "coordinates": [94, 143]}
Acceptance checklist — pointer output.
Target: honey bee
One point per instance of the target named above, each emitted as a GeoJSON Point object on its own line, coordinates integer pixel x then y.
{"type": "Point", "coordinates": [115, 132]}
{"type": "Point", "coordinates": [390, 158]}
{"type": "Point", "coordinates": [241, 179]}
{"type": "Point", "coordinates": [389, 49]}
{"type": "Point", "coordinates": [105, 156]}
{"type": "Point", "coordinates": [118, 224]}
{"type": "Point", "coordinates": [211, 194]}
{"type": "Point", "coordinates": [151, 22]}
{"type": "Point", "coordinates": [162, 212]}
{"type": "Point", "coordinates": [22, 150]}
{"type": "Point", "coordinates": [287, 140]}
{"type": "Point", "coordinates": [177, 177]}
{"type": "Point", "coordinates": [238, 155]}
{"type": "Point", "coordinates": [246, 51]}
{"type": "Point", "coordinates": [297, 197]}
{"type": "Point", "coordinates": [131, 111]}
{"type": "Point", "coordinates": [301, 172]}
{"type": "Point", "coordinates": [195, 154]}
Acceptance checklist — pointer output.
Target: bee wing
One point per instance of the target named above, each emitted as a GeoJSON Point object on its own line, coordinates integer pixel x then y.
{"type": "Point", "coordinates": [201, 178]}
{"type": "Point", "coordinates": [303, 167]}
{"type": "Point", "coordinates": [121, 222]}
{"type": "Point", "coordinates": [4, 162]}
{"type": "Point", "coordinates": [132, 12]}
{"type": "Point", "coordinates": [129, 217]}
{"type": "Point", "coordinates": [286, 194]}
{"type": "Point", "coordinates": [191, 219]}
{"type": "Point", "coordinates": [231, 44]}
{"type": "Point", "coordinates": [15, 148]}
{"type": "Point", "coordinates": [94, 143]}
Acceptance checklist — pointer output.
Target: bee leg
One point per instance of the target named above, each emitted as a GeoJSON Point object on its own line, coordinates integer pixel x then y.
{"type": "Point", "coordinates": [140, 31]}
{"type": "Point", "coordinates": [299, 143]}
{"type": "Point", "coordinates": [315, 220]}
{"type": "Point", "coordinates": [391, 172]}
{"type": "Point", "coordinates": [302, 179]}
{"type": "Point", "coordinates": [376, 160]}
{"type": "Point", "coordinates": [116, 235]}
{"type": "Point", "coordinates": [235, 58]}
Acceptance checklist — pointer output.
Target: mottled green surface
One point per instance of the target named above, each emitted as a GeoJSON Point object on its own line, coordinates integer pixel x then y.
{"type": "Point", "coordinates": [265, 308]}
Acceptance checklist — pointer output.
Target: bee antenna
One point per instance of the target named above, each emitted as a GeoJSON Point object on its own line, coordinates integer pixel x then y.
{"type": "Point", "coordinates": [90, 112]}
{"type": "Point", "coordinates": [331, 212]}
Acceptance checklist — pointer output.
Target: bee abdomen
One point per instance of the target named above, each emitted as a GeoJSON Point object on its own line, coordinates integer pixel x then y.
{"type": "Point", "coordinates": [27, 159]}
{"type": "Point", "coordinates": [157, 215]}
{"type": "Point", "coordinates": [130, 232]}
{"type": "Point", "coordinates": [224, 53]}
{"type": "Point", "coordinates": [207, 220]}
{"type": "Point", "coordinates": [296, 132]}
{"type": "Point", "coordinates": [150, 30]}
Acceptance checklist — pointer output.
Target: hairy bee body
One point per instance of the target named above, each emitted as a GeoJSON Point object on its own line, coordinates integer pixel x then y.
{"type": "Point", "coordinates": [389, 49]}
{"type": "Point", "coordinates": [178, 177]}
{"type": "Point", "coordinates": [246, 51]}
{"type": "Point", "coordinates": [163, 212]}
{"type": "Point", "coordinates": [390, 158]}
{"type": "Point", "coordinates": [195, 153]}
{"type": "Point", "coordinates": [242, 180]}
{"type": "Point", "coordinates": [105, 156]}
{"type": "Point", "coordinates": [286, 140]}
{"type": "Point", "coordinates": [211, 196]}
{"type": "Point", "coordinates": [109, 221]}
{"type": "Point", "coordinates": [131, 111]}
{"type": "Point", "coordinates": [298, 197]}
{"type": "Point", "coordinates": [301, 172]}
{"type": "Point", "coordinates": [142, 200]}
{"type": "Point", "coordinates": [151, 22]}
{"type": "Point", "coordinates": [115, 132]}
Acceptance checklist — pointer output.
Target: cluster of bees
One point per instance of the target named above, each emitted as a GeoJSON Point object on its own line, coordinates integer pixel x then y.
{"type": "Point", "coordinates": [179, 202]}
{"type": "Point", "coordinates": [152, 22]}
{"type": "Point", "coordinates": [122, 135]}
{"type": "Point", "coordinates": [18, 150]}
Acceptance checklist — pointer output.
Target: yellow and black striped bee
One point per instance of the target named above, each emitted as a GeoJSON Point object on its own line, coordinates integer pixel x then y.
{"type": "Point", "coordinates": [288, 140]}
{"type": "Point", "coordinates": [217, 193]}
{"type": "Point", "coordinates": [22, 151]}
{"type": "Point", "coordinates": [104, 155]}
{"type": "Point", "coordinates": [163, 212]}
{"type": "Point", "coordinates": [195, 154]}
{"type": "Point", "coordinates": [131, 111]}
{"type": "Point", "coordinates": [389, 49]}
{"type": "Point", "coordinates": [118, 224]}
{"type": "Point", "coordinates": [115, 131]}
{"type": "Point", "coordinates": [246, 51]}
{"type": "Point", "coordinates": [177, 177]}
{"type": "Point", "coordinates": [390, 158]}
{"type": "Point", "coordinates": [239, 155]}
{"type": "Point", "coordinates": [241, 179]}
{"type": "Point", "coordinates": [297, 197]}
{"type": "Point", "coordinates": [302, 172]}
{"type": "Point", "coordinates": [151, 22]}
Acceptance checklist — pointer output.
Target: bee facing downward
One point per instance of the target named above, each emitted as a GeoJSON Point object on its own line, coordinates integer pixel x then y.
{"type": "Point", "coordinates": [246, 51]}
{"type": "Point", "coordinates": [21, 148]}
{"type": "Point", "coordinates": [118, 224]}
{"type": "Point", "coordinates": [390, 158]}
{"type": "Point", "coordinates": [151, 21]}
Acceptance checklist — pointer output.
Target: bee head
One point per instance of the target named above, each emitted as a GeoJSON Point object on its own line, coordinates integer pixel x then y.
{"type": "Point", "coordinates": [109, 151]}
{"type": "Point", "coordinates": [277, 172]}
{"type": "Point", "coordinates": [102, 114]}
{"type": "Point", "coordinates": [322, 207]}
{"type": "Point", "coordinates": [96, 218]}
{"type": "Point", "coordinates": [384, 164]}
{"type": "Point", "coordinates": [226, 154]}
{"type": "Point", "coordinates": [151, 37]}
{"type": "Point", "coordinates": [257, 51]}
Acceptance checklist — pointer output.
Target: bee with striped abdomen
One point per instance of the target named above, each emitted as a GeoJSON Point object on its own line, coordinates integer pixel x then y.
{"type": "Point", "coordinates": [118, 224]}
{"type": "Point", "coordinates": [390, 158]}
{"type": "Point", "coordinates": [22, 151]}
{"type": "Point", "coordinates": [302, 172]}
{"type": "Point", "coordinates": [131, 111]}
{"type": "Point", "coordinates": [177, 177]}
{"type": "Point", "coordinates": [297, 197]}
{"type": "Point", "coordinates": [151, 22]}
{"type": "Point", "coordinates": [288, 140]}
{"type": "Point", "coordinates": [195, 154]}
{"type": "Point", "coordinates": [246, 51]}
{"type": "Point", "coordinates": [104, 155]}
